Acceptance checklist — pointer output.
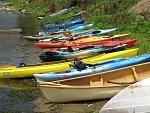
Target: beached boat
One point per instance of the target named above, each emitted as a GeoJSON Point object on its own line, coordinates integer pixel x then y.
{"type": "Point", "coordinates": [85, 40]}
{"type": "Point", "coordinates": [75, 27]}
{"type": "Point", "coordinates": [40, 37]}
{"type": "Point", "coordinates": [133, 99]}
{"type": "Point", "coordinates": [49, 56]}
{"type": "Point", "coordinates": [71, 22]}
{"type": "Point", "coordinates": [93, 32]}
{"type": "Point", "coordinates": [97, 86]}
{"type": "Point", "coordinates": [130, 43]}
{"type": "Point", "coordinates": [98, 38]}
{"type": "Point", "coordinates": [81, 27]}
{"type": "Point", "coordinates": [29, 70]}
{"type": "Point", "coordinates": [73, 36]}
{"type": "Point", "coordinates": [94, 68]}
{"type": "Point", "coordinates": [62, 11]}
{"type": "Point", "coordinates": [96, 32]}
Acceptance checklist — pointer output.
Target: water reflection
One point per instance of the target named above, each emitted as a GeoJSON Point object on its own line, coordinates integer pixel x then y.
{"type": "Point", "coordinates": [6, 22]}
{"type": "Point", "coordinates": [18, 83]}
{"type": "Point", "coordinates": [23, 95]}
{"type": "Point", "coordinates": [14, 49]}
{"type": "Point", "coordinates": [28, 24]}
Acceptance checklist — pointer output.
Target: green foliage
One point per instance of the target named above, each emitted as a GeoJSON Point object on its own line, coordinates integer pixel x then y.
{"type": "Point", "coordinates": [124, 5]}
{"type": "Point", "coordinates": [103, 13]}
{"type": "Point", "coordinates": [38, 10]}
{"type": "Point", "coordinates": [19, 4]}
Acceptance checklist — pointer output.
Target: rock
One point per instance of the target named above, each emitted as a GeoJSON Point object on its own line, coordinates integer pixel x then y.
{"type": "Point", "coordinates": [142, 8]}
{"type": "Point", "coordinates": [10, 30]}
{"type": "Point", "coordinates": [24, 11]}
{"type": "Point", "coordinates": [8, 9]}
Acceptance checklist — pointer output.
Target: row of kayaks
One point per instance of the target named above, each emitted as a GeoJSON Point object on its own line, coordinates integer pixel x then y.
{"type": "Point", "coordinates": [75, 27]}
{"type": "Point", "coordinates": [110, 65]}
{"type": "Point", "coordinates": [85, 40]}
{"type": "Point", "coordinates": [69, 36]}
{"type": "Point", "coordinates": [29, 70]}
{"type": "Point", "coordinates": [79, 52]}
{"type": "Point", "coordinates": [91, 46]}
{"type": "Point", "coordinates": [100, 42]}
{"type": "Point", "coordinates": [94, 68]}
{"type": "Point", "coordinates": [88, 43]}
{"type": "Point", "coordinates": [69, 50]}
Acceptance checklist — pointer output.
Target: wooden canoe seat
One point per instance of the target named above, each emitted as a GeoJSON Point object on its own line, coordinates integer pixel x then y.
{"type": "Point", "coordinates": [96, 81]}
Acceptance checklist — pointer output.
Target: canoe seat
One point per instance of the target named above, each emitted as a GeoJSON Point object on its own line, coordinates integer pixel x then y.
{"type": "Point", "coordinates": [96, 81]}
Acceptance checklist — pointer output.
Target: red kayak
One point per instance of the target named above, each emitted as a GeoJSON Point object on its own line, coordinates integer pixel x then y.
{"type": "Point", "coordinates": [130, 42]}
{"type": "Point", "coordinates": [56, 44]}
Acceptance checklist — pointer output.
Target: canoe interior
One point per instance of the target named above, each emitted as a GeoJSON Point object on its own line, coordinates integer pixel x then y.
{"type": "Point", "coordinates": [118, 77]}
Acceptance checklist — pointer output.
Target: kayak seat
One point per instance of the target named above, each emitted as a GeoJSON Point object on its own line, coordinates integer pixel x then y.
{"type": "Point", "coordinates": [20, 64]}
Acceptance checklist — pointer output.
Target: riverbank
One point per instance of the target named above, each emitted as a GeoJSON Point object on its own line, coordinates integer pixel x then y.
{"type": "Point", "coordinates": [104, 14]}
{"type": "Point", "coordinates": [22, 95]}
{"type": "Point", "coordinates": [4, 6]}
{"type": "Point", "coordinates": [103, 17]}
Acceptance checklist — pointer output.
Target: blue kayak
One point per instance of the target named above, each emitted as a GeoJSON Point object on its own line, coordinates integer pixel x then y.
{"type": "Point", "coordinates": [71, 22]}
{"type": "Point", "coordinates": [78, 35]}
{"type": "Point", "coordinates": [96, 32]}
{"type": "Point", "coordinates": [62, 11]}
{"type": "Point", "coordinates": [79, 27]}
{"type": "Point", "coordinates": [94, 68]}
{"type": "Point", "coordinates": [92, 32]}
{"type": "Point", "coordinates": [75, 27]}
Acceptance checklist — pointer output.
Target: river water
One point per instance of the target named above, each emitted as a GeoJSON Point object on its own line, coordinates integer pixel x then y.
{"type": "Point", "coordinates": [22, 95]}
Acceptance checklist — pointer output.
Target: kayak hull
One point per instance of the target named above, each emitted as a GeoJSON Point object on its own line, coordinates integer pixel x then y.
{"type": "Point", "coordinates": [60, 55]}
{"type": "Point", "coordinates": [85, 40]}
{"type": "Point", "coordinates": [95, 68]}
{"type": "Point", "coordinates": [28, 71]}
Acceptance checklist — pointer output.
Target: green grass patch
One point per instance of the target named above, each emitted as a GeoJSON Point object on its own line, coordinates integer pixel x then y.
{"type": "Point", "coordinates": [103, 13]}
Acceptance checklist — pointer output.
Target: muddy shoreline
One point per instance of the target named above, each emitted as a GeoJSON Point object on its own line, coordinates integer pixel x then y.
{"type": "Point", "coordinates": [29, 99]}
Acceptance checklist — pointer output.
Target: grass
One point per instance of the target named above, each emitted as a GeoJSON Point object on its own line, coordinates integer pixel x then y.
{"type": "Point", "coordinates": [103, 13]}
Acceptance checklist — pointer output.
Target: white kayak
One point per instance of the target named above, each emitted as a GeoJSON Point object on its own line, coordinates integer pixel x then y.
{"type": "Point", "coordinates": [133, 99]}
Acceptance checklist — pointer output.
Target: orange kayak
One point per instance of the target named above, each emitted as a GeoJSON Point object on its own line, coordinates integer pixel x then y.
{"type": "Point", "coordinates": [57, 44]}
{"type": "Point", "coordinates": [53, 44]}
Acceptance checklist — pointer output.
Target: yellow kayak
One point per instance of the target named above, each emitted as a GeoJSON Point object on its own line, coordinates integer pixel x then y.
{"type": "Point", "coordinates": [28, 71]}
{"type": "Point", "coordinates": [98, 38]}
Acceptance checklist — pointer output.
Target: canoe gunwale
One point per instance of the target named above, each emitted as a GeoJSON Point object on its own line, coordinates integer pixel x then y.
{"type": "Point", "coordinates": [57, 84]}
{"type": "Point", "coordinates": [76, 87]}
{"type": "Point", "coordinates": [101, 73]}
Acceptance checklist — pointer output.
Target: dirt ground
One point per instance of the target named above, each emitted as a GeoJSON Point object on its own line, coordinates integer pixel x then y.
{"type": "Point", "coordinates": [142, 8]}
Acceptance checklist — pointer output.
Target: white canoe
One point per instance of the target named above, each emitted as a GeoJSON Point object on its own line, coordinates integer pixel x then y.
{"type": "Point", "coordinates": [97, 86]}
{"type": "Point", "coordinates": [133, 99]}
